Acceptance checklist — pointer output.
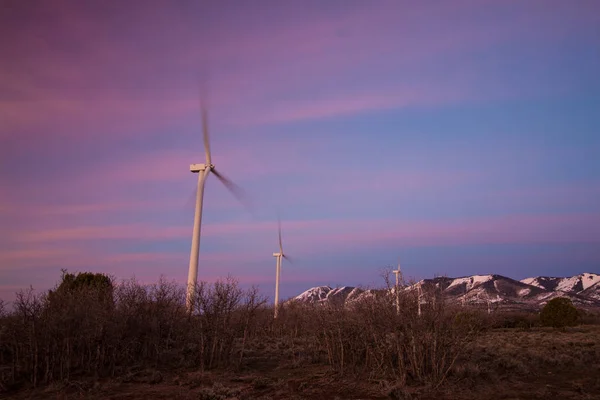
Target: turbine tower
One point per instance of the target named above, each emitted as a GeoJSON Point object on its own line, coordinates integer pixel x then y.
{"type": "Point", "coordinates": [398, 274]}
{"type": "Point", "coordinates": [419, 299]}
{"type": "Point", "coordinates": [278, 256]}
{"type": "Point", "coordinates": [203, 170]}
{"type": "Point", "coordinates": [487, 299]}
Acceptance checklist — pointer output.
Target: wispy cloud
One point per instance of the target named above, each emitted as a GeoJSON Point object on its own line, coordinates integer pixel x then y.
{"type": "Point", "coordinates": [505, 229]}
{"type": "Point", "coordinates": [353, 104]}
{"type": "Point", "coordinates": [101, 87]}
{"type": "Point", "coordinates": [131, 232]}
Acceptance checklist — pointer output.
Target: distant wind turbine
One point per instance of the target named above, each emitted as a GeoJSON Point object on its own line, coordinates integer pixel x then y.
{"type": "Point", "coordinates": [419, 299]}
{"type": "Point", "coordinates": [398, 274]}
{"type": "Point", "coordinates": [279, 256]}
{"type": "Point", "coordinates": [487, 299]}
{"type": "Point", "coordinates": [203, 170]}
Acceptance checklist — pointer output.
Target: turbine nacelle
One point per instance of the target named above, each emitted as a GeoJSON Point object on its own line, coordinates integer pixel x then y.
{"type": "Point", "coordinates": [195, 168]}
{"type": "Point", "coordinates": [277, 254]}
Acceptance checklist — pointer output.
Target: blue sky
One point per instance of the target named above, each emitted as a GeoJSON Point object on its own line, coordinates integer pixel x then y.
{"type": "Point", "coordinates": [462, 138]}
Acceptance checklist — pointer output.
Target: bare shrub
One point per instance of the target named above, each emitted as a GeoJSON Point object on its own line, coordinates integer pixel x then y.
{"type": "Point", "coordinates": [222, 312]}
{"type": "Point", "coordinates": [23, 335]}
{"type": "Point", "coordinates": [88, 326]}
{"type": "Point", "coordinates": [371, 337]}
{"type": "Point", "coordinates": [406, 346]}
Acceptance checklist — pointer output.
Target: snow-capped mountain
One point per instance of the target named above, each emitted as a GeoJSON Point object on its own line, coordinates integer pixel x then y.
{"type": "Point", "coordinates": [573, 284]}
{"type": "Point", "coordinates": [483, 288]}
{"type": "Point", "coordinates": [583, 289]}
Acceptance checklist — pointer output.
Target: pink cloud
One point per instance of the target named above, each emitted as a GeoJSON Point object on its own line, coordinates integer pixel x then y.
{"type": "Point", "coordinates": [156, 258]}
{"type": "Point", "coordinates": [34, 256]}
{"type": "Point", "coordinates": [131, 232]}
{"type": "Point", "coordinates": [124, 185]}
{"type": "Point", "coordinates": [132, 185]}
{"type": "Point", "coordinates": [93, 93]}
{"type": "Point", "coordinates": [322, 233]}
{"type": "Point", "coordinates": [353, 103]}
{"type": "Point", "coordinates": [77, 248]}
{"type": "Point", "coordinates": [143, 232]}
{"type": "Point", "coordinates": [75, 209]}
{"type": "Point", "coordinates": [147, 267]}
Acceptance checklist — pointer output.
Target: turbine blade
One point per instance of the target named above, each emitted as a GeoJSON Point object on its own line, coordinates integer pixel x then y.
{"type": "Point", "coordinates": [288, 258]}
{"type": "Point", "coordinates": [205, 133]}
{"type": "Point", "coordinates": [237, 191]}
{"type": "Point", "coordinates": [279, 229]}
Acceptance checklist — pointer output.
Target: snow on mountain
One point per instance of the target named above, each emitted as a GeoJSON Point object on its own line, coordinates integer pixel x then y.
{"type": "Point", "coordinates": [542, 282]}
{"type": "Point", "coordinates": [314, 295]}
{"type": "Point", "coordinates": [592, 292]}
{"type": "Point", "coordinates": [322, 294]}
{"type": "Point", "coordinates": [583, 289]}
{"type": "Point", "coordinates": [470, 282]}
{"type": "Point", "coordinates": [573, 284]}
{"type": "Point", "coordinates": [484, 288]}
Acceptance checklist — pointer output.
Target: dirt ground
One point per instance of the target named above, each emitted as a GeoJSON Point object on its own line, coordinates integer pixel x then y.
{"type": "Point", "coordinates": [501, 364]}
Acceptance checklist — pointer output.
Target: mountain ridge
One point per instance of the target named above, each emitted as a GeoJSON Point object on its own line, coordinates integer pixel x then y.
{"type": "Point", "coordinates": [583, 290]}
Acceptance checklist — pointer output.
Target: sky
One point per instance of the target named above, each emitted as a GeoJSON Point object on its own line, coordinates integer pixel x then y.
{"type": "Point", "coordinates": [456, 138]}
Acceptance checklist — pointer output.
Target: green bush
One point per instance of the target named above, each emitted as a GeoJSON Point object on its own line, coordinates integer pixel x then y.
{"type": "Point", "coordinates": [558, 313]}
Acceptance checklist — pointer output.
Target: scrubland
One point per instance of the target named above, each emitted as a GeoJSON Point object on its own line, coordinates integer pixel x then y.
{"type": "Point", "coordinates": [128, 341]}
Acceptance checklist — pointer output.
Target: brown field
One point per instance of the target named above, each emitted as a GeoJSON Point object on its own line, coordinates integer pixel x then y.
{"type": "Point", "coordinates": [144, 346]}
{"type": "Point", "coordinates": [537, 363]}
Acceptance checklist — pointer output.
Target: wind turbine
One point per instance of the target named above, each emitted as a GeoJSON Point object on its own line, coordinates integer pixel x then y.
{"type": "Point", "coordinates": [278, 256]}
{"type": "Point", "coordinates": [203, 170]}
{"type": "Point", "coordinates": [419, 299]}
{"type": "Point", "coordinates": [398, 274]}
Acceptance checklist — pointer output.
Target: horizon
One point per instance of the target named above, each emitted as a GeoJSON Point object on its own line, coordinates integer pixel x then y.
{"type": "Point", "coordinates": [461, 139]}
{"type": "Point", "coordinates": [269, 296]}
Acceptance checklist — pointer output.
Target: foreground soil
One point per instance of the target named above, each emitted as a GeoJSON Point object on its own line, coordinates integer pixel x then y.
{"type": "Point", "coordinates": [500, 364]}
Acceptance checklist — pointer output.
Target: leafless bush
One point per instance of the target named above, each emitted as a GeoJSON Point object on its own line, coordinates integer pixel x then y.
{"type": "Point", "coordinates": [96, 330]}
{"type": "Point", "coordinates": [120, 329]}
{"type": "Point", "coordinates": [406, 346]}
{"type": "Point", "coordinates": [371, 337]}
{"type": "Point", "coordinates": [222, 313]}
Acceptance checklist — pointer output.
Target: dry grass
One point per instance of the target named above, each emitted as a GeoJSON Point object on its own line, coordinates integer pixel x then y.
{"type": "Point", "coordinates": [500, 364]}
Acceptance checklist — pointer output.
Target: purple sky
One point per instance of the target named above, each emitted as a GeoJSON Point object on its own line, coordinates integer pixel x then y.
{"type": "Point", "coordinates": [462, 137]}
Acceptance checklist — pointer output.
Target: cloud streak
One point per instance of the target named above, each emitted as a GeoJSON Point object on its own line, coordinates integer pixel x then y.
{"type": "Point", "coordinates": [505, 229]}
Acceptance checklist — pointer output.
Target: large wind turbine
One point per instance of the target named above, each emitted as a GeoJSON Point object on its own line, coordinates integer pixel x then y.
{"type": "Point", "coordinates": [203, 170]}
{"type": "Point", "coordinates": [278, 256]}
